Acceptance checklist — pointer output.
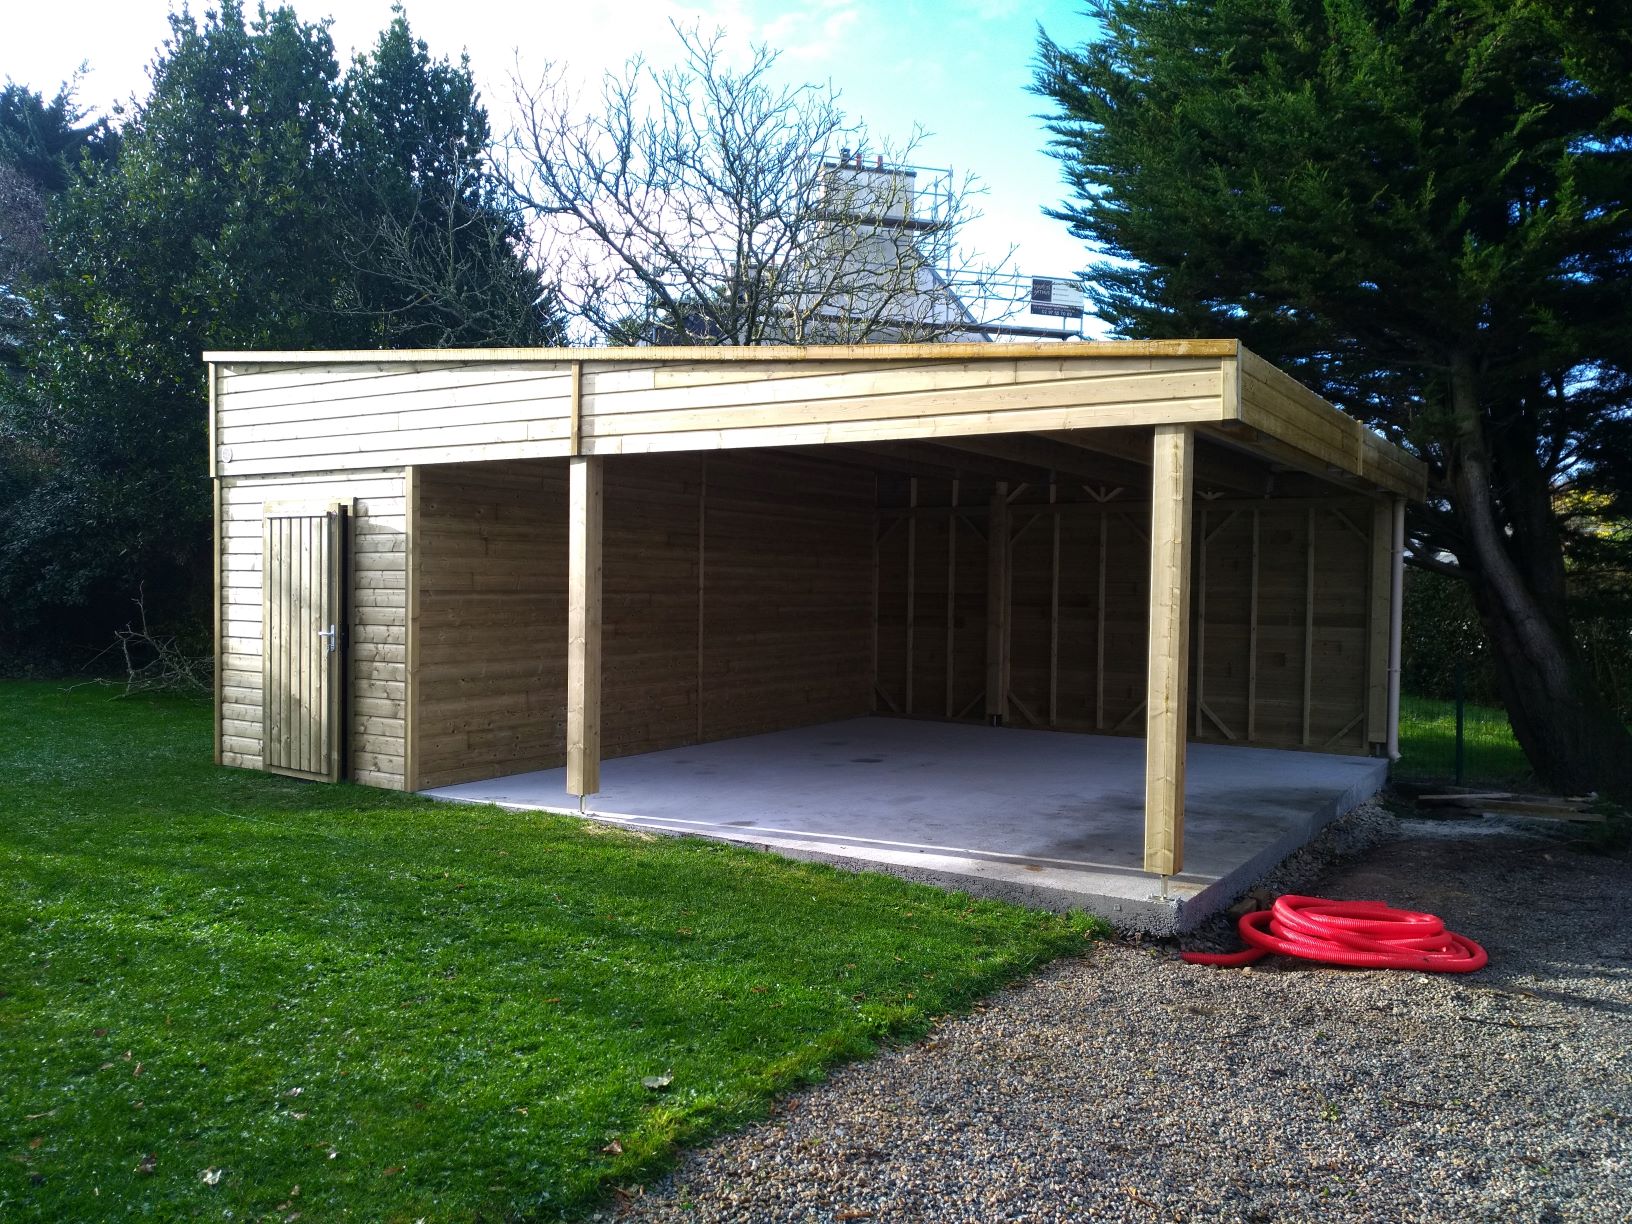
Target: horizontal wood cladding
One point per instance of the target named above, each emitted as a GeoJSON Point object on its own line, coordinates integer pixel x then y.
{"type": "Point", "coordinates": [378, 663]}
{"type": "Point", "coordinates": [1278, 652]}
{"type": "Point", "coordinates": [735, 599]}
{"type": "Point", "coordinates": [628, 411]}
{"type": "Point", "coordinates": [322, 416]}
{"type": "Point", "coordinates": [787, 589]}
{"type": "Point", "coordinates": [330, 414]}
{"type": "Point", "coordinates": [491, 641]}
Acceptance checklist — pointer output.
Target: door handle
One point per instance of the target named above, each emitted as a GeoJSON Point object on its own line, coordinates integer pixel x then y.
{"type": "Point", "coordinates": [329, 635]}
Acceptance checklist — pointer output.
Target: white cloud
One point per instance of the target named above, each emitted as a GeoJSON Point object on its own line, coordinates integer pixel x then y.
{"type": "Point", "coordinates": [956, 66]}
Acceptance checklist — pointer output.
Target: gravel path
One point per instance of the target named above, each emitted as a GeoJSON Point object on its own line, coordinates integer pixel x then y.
{"type": "Point", "coordinates": [1131, 1086]}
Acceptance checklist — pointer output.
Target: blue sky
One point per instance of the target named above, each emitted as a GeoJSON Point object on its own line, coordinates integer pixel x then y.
{"type": "Point", "coordinates": [959, 68]}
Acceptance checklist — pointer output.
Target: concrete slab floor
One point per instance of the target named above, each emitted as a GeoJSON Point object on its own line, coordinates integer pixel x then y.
{"type": "Point", "coordinates": [1039, 817]}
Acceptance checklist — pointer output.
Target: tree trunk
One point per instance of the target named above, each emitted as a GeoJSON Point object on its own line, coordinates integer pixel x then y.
{"type": "Point", "coordinates": [1570, 734]}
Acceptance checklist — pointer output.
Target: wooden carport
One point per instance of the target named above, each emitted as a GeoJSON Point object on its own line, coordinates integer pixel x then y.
{"type": "Point", "coordinates": [421, 554]}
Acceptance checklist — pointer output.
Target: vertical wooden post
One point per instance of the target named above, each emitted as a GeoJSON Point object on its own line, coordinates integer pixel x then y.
{"type": "Point", "coordinates": [584, 626]}
{"type": "Point", "coordinates": [1054, 606]}
{"type": "Point", "coordinates": [410, 688]}
{"type": "Point", "coordinates": [1172, 470]}
{"type": "Point", "coordinates": [575, 410]}
{"type": "Point", "coordinates": [702, 585]}
{"type": "Point", "coordinates": [1099, 622]}
{"type": "Point", "coordinates": [1201, 622]}
{"type": "Point", "coordinates": [872, 685]}
{"type": "Point", "coordinates": [951, 598]}
{"type": "Point", "coordinates": [1308, 620]}
{"type": "Point", "coordinates": [912, 585]}
{"type": "Point", "coordinates": [997, 605]}
{"type": "Point", "coordinates": [1382, 576]}
{"type": "Point", "coordinates": [1252, 639]}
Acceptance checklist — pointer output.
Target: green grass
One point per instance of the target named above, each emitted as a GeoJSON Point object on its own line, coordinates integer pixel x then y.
{"type": "Point", "coordinates": [406, 1009]}
{"type": "Point", "coordinates": [1492, 756]}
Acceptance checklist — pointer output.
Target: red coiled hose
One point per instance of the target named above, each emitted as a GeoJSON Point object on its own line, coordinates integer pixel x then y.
{"type": "Point", "coordinates": [1365, 934]}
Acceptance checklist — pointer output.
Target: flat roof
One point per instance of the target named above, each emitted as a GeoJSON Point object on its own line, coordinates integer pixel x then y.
{"type": "Point", "coordinates": [748, 352]}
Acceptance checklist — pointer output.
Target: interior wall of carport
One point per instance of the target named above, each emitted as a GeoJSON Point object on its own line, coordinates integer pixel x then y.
{"type": "Point", "coordinates": [737, 598]}
{"type": "Point", "coordinates": [1287, 612]}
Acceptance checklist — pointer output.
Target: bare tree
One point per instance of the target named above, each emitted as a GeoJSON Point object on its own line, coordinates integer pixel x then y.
{"type": "Point", "coordinates": [706, 204]}
{"type": "Point", "coordinates": [438, 264]}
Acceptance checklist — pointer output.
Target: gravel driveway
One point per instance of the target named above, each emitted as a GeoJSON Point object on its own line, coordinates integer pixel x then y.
{"type": "Point", "coordinates": [1131, 1086]}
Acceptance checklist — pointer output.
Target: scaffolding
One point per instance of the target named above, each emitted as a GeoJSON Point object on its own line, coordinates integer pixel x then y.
{"type": "Point", "coordinates": [917, 203]}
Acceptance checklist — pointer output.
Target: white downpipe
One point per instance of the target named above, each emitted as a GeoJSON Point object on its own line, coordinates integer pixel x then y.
{"type": "Point", "coordinates": [1396, 615]}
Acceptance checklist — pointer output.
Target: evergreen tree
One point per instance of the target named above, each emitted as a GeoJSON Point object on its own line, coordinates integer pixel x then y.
{"type": "Point", "coordinates": [1425, 211]}
{"type": "Point", "coordinates": [436, 250]}
{"type": "Point", "coordinates": [44, 140]}
{"type": "Point", "coordinates": [41, 144]}
{"type": "Point", "coordinates": [256, 202]}
{"type": "Point", "coordinates": [209, 230]}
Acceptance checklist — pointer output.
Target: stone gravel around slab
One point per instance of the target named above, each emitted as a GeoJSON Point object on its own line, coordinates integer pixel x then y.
{"type": "Point", "coordinates": [1131, 1086]}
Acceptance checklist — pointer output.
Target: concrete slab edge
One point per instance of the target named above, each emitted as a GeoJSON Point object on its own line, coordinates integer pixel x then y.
{"type": "Point", "coordinates": [1223, 892]}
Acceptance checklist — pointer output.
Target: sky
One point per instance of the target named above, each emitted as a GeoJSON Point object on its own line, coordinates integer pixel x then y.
{"type": "Point", "coordinates": [957, 68]}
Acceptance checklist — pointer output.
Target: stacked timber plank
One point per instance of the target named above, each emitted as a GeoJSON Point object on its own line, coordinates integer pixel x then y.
{"type": "Point", "coordinates": [1507, 805]}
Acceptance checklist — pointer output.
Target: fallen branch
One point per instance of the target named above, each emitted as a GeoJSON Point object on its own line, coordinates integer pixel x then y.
{"type": "Point", "coordinates": [157, 663]}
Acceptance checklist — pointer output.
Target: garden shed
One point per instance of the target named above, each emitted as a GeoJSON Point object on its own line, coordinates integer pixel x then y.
{"type": "Point", "coordinates": [491, 573]}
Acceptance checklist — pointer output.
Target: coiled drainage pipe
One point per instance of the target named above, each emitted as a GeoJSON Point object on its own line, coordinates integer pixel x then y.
{"type": "Point", "coordinates": [1364, 934]}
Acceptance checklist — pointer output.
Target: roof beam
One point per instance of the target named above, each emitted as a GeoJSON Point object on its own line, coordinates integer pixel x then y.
{"type": "Point", "coordinates": [1050, 456]}
{"type": "Point", "coordinates": [1235, 436]}
{"type": "Point", "coordinates": [945, 461]}
{"type": "Point", "coordinates": [1213, 471]}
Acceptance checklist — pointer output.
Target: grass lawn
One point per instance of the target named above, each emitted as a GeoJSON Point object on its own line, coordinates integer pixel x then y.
{"type": "Point", "coordinates": [218, 986]}
{"type": "Point", "coordinates": [1492, 756]}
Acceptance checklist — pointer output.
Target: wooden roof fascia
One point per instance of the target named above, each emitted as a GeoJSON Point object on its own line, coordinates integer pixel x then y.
{"type": "Point", "coordinates": [1284, 419]}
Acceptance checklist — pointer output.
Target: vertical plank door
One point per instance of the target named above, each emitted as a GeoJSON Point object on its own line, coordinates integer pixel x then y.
{"type": "Point", "coordinates": [304, 642]}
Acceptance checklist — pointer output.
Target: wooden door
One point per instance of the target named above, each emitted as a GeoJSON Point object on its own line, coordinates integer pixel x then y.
{"type": "Point", "coordinates": [305, 641]}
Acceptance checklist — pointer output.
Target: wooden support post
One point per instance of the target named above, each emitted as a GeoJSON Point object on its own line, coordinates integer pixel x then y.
{"type": "Point", "coordinates": [997, 606]}
{"type": "Point", "coordinates": [951, 596]}
{"type": "Point", "coordinates": [1200, 723]}
{"type": "Point", "coordinates": [1382, 576]}
{"type": "Point", "coordinates": [877, 563]}
{"type": "Point", "coordinates": [411, 544]}
{"type": "Point", "coordinates": [584, 627]}
{"type": "Point", "coordinates": [1252, 639]}
{"type": "Point", "coordinates": [1054, 609]}
{"type": "Point", "coordinates": [1308, 620]}
{"type": "Point", "coordinates": [1099, 623]}
{"type": "Point", "coordinates": [1172, 489]}
{"type": "Point", "coordinates": [575, 410]}
{"type": "Point", "coordinates": [702, 589]}
{"type": "Point", "coordinates": [912, 584]}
